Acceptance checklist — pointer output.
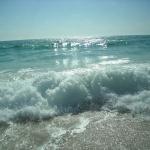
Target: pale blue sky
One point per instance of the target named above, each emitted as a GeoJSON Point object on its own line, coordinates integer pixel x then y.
{"type": "Point", "coordinates": [23, 19]}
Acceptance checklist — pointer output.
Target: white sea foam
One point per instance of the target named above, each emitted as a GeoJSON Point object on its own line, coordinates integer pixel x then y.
{"type": "Point", "coordinates": [107, 57]}
{"type": "Point", "coordinates": [35, 95]}
{"type": "Point", "coordinates": [81, 127]}
{"type": "Point", "coordinates": [138, 103]}
{"type": "Point", "coordinates": [114, 62]}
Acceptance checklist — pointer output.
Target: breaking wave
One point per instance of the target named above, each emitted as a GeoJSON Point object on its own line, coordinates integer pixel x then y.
{"type": "Point", "coordinates": [36, 95]}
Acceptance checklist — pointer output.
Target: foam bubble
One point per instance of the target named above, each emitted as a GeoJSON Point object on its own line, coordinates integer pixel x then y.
{"type": "Point", "coordinates": [138, 103]}
{"type": "Point", "coordinates": [81, 127]}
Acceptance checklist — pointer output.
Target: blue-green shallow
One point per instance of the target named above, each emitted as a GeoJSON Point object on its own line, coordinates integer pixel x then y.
{"type": "Point", "coordinates": [91, 93]}
{"type": "Point", "coordinates": [62, 54]}
{"type": "Point", "coordinates": [43, 78]}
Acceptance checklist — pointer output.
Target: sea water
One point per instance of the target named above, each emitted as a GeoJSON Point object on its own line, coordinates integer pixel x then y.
{"type": "Point", "coordinates": [51, 78]}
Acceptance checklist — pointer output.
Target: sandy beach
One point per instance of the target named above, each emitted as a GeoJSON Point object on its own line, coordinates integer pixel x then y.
{"type": "Point", "coordinates": [85, 131]}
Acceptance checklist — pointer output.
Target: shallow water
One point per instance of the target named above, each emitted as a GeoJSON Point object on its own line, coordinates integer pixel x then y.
{"type": "Point", "coordinates": [43, 82]}
{"type": "Point", "coordinates": [90, 130]}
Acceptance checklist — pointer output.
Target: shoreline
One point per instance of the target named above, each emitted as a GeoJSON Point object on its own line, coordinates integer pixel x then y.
{"type": "Point", "coordinates": [88, 130]}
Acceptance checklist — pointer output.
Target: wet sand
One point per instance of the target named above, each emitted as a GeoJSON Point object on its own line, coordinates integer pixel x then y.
{"type": "Point", "coordinates": [85, 131]}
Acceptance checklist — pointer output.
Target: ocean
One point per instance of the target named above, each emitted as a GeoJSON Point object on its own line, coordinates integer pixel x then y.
{"type": "Point", "coordinates": [79, 93]}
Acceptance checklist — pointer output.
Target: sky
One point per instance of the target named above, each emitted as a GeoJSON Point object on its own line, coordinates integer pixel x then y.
{"type": "Point", "coordinates": [34, 19]}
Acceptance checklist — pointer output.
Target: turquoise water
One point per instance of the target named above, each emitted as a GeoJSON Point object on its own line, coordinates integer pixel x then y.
{"type": "Point", "coordinates": [59, 54]}
{"type": "Point", "coordinates": [43, 78]}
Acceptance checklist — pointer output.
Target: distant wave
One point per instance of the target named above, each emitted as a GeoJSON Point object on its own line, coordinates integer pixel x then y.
{"type": "Point", "coordinates": [76, 43]}
{"type": "Point", "coordinates": [36, 95]}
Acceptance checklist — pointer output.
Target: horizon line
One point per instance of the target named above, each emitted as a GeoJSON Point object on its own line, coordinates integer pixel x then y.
{"type": "Point", "coordinates": [73, 37]}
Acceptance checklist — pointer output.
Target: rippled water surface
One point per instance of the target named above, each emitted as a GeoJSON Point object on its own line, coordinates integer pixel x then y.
{"type": "Point", "coordinates": [48, 80]}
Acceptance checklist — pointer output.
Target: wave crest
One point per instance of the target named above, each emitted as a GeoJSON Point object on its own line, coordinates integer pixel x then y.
{"type": "Point", "coordinates": [38, 95]}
